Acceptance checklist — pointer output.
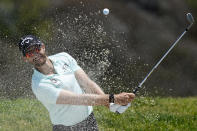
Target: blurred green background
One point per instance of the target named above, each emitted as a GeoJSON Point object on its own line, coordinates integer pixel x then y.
{"type": "Point", "coordinates": [117, 51]}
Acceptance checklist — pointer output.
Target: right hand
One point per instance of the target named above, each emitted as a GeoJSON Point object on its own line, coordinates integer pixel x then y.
{"type": "Point", "coordinates": [124, 98]}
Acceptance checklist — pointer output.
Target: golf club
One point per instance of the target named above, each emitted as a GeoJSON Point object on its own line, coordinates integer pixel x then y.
{"type": "Point", "coordinates": [190, 19]}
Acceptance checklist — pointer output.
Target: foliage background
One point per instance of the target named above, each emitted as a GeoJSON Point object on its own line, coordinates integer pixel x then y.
{"type": "Point", "coordinates": [116, 51]}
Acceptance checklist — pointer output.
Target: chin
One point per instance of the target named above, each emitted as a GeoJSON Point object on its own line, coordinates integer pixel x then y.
{"type": "Point", "coordinates": [38, 64]}
{"type": "Point", "coordinates": [40, 61]}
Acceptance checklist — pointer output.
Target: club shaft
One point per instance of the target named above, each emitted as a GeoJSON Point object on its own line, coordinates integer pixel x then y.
{"type": "Point", "coordinates": [191, 20]}
{"type": "Point", "coordinates": [140, 85]}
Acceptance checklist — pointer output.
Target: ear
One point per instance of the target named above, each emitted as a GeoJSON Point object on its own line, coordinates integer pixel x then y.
{"type": "Point", "coordinates": [25, 59]}
{"type": "Point", "coordinates": [43, 47]}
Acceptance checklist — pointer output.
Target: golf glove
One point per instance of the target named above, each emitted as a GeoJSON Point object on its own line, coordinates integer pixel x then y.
{"type": "Point", "coordinates": [118, 108]}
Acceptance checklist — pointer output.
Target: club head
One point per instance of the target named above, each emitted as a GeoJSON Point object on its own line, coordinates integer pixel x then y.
{"type": "Point", "coordinates": [190, 18]}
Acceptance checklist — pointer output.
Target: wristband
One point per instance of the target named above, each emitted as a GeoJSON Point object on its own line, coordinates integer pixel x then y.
{"type": "Point", "coordinates": [111, 98]}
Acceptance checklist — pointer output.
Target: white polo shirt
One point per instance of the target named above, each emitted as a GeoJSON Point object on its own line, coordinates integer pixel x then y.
{"type": "Point", "coordinates": [47, 88]}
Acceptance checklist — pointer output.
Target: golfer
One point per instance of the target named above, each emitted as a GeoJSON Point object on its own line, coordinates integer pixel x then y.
{"type": "Point", "coordinates": [62, 86]}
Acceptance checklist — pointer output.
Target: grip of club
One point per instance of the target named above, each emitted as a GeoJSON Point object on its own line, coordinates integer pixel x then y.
{"type": "Point", "coordinates": [136, 89]}
{"type": "Point", "coordinates": [122, 109]}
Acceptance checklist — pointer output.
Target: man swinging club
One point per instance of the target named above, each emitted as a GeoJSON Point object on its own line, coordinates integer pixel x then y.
{"type": "Point", "coordinates": [64, 88]}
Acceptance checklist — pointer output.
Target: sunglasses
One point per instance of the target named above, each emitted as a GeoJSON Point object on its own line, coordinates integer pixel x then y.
{"type": "Point", "coordinates": [31, 52]}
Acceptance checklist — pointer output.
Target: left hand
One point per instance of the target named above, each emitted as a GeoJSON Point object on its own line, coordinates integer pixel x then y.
{"type": "Point", "coordinates": [116, 108]}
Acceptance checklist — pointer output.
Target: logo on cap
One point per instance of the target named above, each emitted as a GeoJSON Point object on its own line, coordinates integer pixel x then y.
{"type": "Point", "coordinates": [26, 40]}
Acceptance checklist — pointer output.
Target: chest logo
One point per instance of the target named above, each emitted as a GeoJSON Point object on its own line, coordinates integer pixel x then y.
{"type": "Point", "coordinates": [56, 82]}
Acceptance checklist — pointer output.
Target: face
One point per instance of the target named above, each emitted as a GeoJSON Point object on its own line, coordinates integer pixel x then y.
{"type": "Point", "coordinates": [36, 56]}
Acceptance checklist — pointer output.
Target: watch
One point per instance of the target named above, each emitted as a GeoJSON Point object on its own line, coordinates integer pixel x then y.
{"type": "Point", "coordinates": [111, 98]}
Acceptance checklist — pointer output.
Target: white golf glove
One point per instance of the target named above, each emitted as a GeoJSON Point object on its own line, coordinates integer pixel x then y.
{"type": "Point", "coordinates": [118, 108]}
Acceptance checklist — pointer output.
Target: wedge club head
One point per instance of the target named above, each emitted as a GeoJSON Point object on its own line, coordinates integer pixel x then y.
{"type": "Point", "coordinates": [190, 18]}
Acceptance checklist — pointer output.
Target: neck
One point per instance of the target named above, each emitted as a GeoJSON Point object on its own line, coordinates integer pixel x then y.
{"type": "Point", "coordinates": [47, 68]}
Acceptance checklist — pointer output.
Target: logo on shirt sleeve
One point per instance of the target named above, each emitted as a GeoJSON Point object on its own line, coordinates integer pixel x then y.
{"type": "Point", "coordinates": [66, 67]}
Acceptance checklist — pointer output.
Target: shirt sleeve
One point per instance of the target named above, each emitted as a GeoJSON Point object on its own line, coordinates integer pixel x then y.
{"type": "Point", "coordinates": [46, 93]}
{"type": "Point", "coordinates": [72, 63]}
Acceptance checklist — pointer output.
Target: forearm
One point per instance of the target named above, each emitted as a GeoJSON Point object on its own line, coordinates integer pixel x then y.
{"type": "Point", "coordinates": [82, 99]}
{"type": "Point", "coordinates": [92, 88]}
{"type": "Point", "coordinates": [87, 84]}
